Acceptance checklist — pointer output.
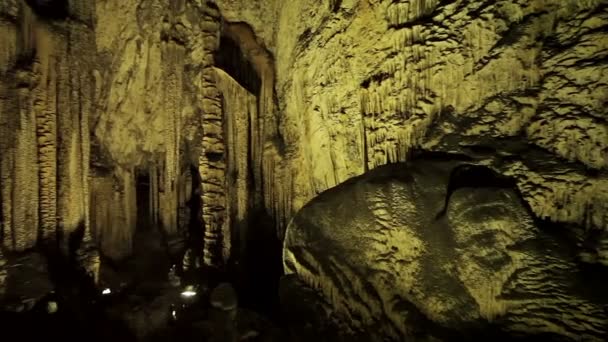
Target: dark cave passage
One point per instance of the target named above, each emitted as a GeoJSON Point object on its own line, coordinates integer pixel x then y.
{"type": "Point", "coordinates": [150, 256]}
{"type": "Point", "coordinates": [142, 196]}
{"type": "Point", "coordinates": [148, 263]}
{"type": "Point", "coordinates": [230, 58]}
{"type": "Point", "coordinates": [260, 267]}
{"type": "Point", "coordinates": [195, 227]}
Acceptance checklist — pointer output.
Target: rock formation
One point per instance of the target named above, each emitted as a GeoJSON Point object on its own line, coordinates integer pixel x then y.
{"type": "Point", "coordinates": [150, 81]}
{"type": "Point", "coordinates": [518, 84]}
{"type": "Point", "coordinates": [45, 110]}
{"type": "Point", "coordinates": [46, 104]}
{"type": "Point", "coordinates": [231, 115]}
{"type": "Point", "coordinates": [377, 251]}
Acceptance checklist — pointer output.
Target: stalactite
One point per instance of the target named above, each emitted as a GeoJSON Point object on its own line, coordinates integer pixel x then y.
{"type": "Point", "coordinates": [47, 147]}
{"type": "Point", "coordinates": [153, 194]}
{"type": "Point", "coordinates": [19, 150]}
{"type": "Point", "coordinates": [10, 40]}
{"type": "Point", "coordinates": [85, 96]}
{"type": "Point", "coordinates": [271, 137]}
{"type": "Point", "coordinates": [25, 188]}
{"type": "Point", "coordinates": [240, 110]}
{"type": "Point", "coordinates": [173, 54]}
{"type": "Point", "coordinates": [64, 154]}
{"type": "Point", "coordinates": [403, 12]}
{"type": "Point", "coordinates": [130, 203]}
{"type": "Point", "coordinates": [6, 172]}
{"type": "Point", "coordinates": [255, 148]}
{"type": "Point", "coordinates": [43, 129]}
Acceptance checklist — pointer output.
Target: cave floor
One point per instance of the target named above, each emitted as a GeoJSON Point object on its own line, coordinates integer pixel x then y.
{"type": "Point", "coordinates": [141, 291]}
{"type": "Point", "coordinates": [145, 271]}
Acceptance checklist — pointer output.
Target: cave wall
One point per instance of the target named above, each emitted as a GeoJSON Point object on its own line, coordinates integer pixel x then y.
{"type": "Point", "coordinates": [153, 92]}
{"type": "Point", "coordinates": [518, 85]}
{"type": "Point", "coordinates": [360, 83]}
{"type": "Point", "coordinates": [106, 76]}
{"type": "Point", "coordinates": [239, 108]}
{"type": "Point", "coordinates": [45, 109]}
{"type": "Point", "coordinates": [140, 107]}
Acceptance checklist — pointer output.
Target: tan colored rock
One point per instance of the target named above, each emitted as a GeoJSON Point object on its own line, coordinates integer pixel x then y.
{"type": "Point", "coordinates": [376, 250]}
{"type": "Point", "coordinates": [114, 212]}
{"type": "Point", "coordinates": [361, 83]}
{"type": "Point", "coordinates": [152, 95]}
{"type": "Point", "coordinates": [44, 118]}
{"type": "Point", "coordinates": [344, 87]}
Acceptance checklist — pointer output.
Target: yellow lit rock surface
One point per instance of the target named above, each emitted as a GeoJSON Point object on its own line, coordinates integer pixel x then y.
{"type": "Point", "coordinates": [240, 109]}
{"type": "Point", "coordinates": [379, 255]}
{"type": "Point", "coordinates": [45, 109]}
{"type": "Point", "coordinates": [274, 102]}
{"type": "Point", "coordinates": [361, 83]}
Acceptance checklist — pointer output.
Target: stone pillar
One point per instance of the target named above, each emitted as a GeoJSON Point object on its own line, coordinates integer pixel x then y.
{"type": "Point", "coordinates": [212, 163]}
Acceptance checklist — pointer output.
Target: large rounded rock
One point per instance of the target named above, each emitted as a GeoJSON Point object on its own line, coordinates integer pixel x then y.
{"type": "Point", "coordinates": [391, 262]}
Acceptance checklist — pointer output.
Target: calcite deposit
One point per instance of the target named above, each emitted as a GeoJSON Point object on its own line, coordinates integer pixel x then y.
{"type": "Point", "coordinates": [519, 84]}
{"type": "Point", "coordinates": [215, 122]}
{"type": "Point", "coordinates": [377, 251]}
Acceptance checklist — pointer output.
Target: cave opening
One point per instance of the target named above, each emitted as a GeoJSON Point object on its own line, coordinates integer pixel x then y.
{"type": "Point", "coordinates": [50, 9]}
{"type": "Point", "coordinates": [142, 195]}
{"type": "Point", "coordinates": [231, 58]}
{"type": "Point", "coordinates": [195, 228]}
{"type": "Point", "coordinates": [150, 259]}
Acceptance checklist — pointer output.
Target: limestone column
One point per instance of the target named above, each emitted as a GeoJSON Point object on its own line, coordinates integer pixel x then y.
{"type": "Point", "coordinates": [212, 163]}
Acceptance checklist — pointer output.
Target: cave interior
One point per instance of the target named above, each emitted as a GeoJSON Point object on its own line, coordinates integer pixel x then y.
{"type": "Point", "coordinates": [306, 170]}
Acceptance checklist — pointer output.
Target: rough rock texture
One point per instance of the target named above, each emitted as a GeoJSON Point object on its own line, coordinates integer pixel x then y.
{"type": "Point", "coordinates": [114, 216]}
{"type": "Point", "coordinates": [240, 110]}
{"type": "Point", "coordinates": [212, 165]}
{"type": "Point", "coordinates": [359, 83]}
{"type": "Point", "coordinates": [107, 85]}
{"type": "Point", "coordinates": [160, 112]}
{"type": "Point", "coordinates": [44, 115]}
{"type": "Point", "coordinates": [46, 92]}
{"type": "Point", "coordinates": [149, 101]}
{"type": "Point", "coordinates": [153, 89]}
{"type": "Point", "coordinates": [377, 251]}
